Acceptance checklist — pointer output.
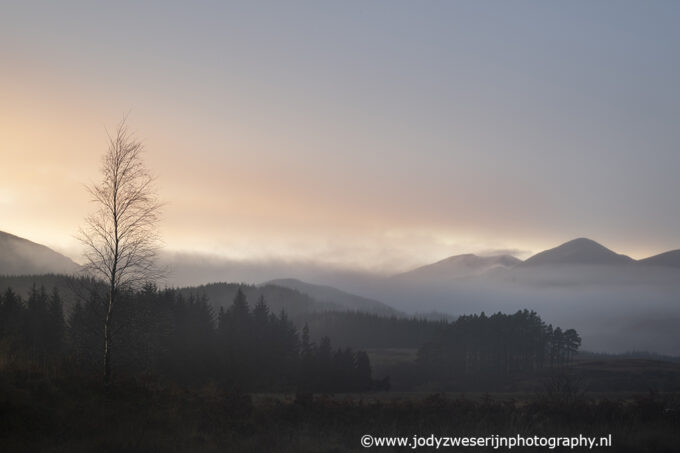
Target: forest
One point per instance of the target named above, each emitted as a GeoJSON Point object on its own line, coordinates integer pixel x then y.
{"type": "Point", "coordinates": [367, 330]}
{"type": "Point", "coordinates": [180, 339]}
{"type": "Point", "coordinates": [498, 345]}
{"type": "Point", "coordinates": [185, 337]}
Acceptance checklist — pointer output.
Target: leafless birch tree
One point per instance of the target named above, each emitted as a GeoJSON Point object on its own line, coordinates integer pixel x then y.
{"type": "Point", "coordinates": [120, 237]}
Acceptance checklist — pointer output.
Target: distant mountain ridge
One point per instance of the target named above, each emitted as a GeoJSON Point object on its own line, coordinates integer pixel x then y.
{"type": "Point", "coordinates": [666, 259]}
{"type": "Point", "coordinates": [578, 251]}
{"type": "Point", "coordinates": [466, 265]}
{"type": "Point", "coordinates": [19, 256]}
{"type": "Point", "coordinates": [335, 297]}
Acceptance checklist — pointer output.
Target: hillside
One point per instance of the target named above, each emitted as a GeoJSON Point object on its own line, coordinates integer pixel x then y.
{"type": "Point", "coordinates": [19, 256]}
{"type": "Point", "coordinates": [336, 297]}
{"type": "Point", "coordinates": [295, 303]}
{"type": "Point", "coordinates": [667, 259]}
{"type": "Point", "coordinates": [457, 266]}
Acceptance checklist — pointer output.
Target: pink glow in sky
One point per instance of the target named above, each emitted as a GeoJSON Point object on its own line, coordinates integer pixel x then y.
{"type": "Point", "coordinates": [379, 135]}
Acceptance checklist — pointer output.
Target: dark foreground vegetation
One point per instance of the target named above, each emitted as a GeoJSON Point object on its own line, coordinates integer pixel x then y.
{"type": "Point", "coordinates": [41, 413]}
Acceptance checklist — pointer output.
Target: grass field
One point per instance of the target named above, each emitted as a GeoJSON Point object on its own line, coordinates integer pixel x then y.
{"type": "Point", "coordinates": [601, 376]}
{"type": "Point", "coordinates": [38, 413]}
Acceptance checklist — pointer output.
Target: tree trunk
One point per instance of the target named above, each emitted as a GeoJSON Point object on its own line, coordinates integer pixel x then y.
{"type": "Point", "coordinates": [107, 340]}
{"type": "Point", "coordinates": [112, 293]}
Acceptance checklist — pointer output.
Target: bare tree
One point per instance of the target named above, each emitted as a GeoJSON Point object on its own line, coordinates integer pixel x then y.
{"type": "Point", "coordinates": [120, 237]}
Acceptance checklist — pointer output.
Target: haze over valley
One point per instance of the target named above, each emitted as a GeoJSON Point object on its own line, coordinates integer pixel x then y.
{"type": "Point", "coordinates": [618, 304]}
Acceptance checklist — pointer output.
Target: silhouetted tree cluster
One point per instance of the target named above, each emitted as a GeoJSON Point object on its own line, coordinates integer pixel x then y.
{"type": "Point", "coordinates": [367, 330]}
{"type": "Point", "coordinates": [221, 295]}
{"type": "Point", "coordinates": [497, 346]}
{"type": "Point", "coordinates": [32, 331]}
{"type": "Point", "coordinates": [141, 330]}
{"type": "Point", "coordinates": [258, 349]}
{"type": "Point", "coordinates": [323, 370]}
{"type": "Point", "coordinates": [167, 334]}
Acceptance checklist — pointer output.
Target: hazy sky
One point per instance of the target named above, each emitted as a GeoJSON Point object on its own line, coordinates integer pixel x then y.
{"type": "Point", "coordinates": [379, 134]}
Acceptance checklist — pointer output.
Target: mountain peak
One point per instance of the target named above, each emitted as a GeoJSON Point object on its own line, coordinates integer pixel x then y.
{"type": "Point", "coordinates": [579, 251]}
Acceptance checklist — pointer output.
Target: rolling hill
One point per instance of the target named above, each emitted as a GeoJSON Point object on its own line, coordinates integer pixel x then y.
{"type": "Point", "coordinates": [667, 259]}
{"type": "Point", "coordinates": [336, 297]}
{"type": "Point", "coordinates": [19, 256]}
{"type": "Point", "coordinates": [457, 266]}
{"type": "Point", "coordinates": [277, 298]}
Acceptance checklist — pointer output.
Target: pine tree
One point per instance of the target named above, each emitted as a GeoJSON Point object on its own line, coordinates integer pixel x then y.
{"type": "Point", "coordinates": [35, 322]}
{"type": "Point", "coordinates": [56, 324]}
{"type": "Point", "coordinates": [12, 314]}
{"type": "Point", "coordinates": [362, 366]}
{"type": "Point", "coordinates": [306, 347]}
{"type": "Point", "coordinates": [239, 309]}
{"type": "Point", "coordinates": [572, 342]}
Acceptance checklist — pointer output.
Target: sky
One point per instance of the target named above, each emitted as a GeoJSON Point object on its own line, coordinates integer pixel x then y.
{"type": "Point", "coordinates": [370, 135]}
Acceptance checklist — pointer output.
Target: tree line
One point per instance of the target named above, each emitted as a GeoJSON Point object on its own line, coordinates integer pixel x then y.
{"type": "Point", "coordinates": [165, 334]}
{"type": "Point", "coordinates": [33, 330]}
{"type": "Point", "coordinates": [368, 330]}
{"type": "Point", "coordinates": [497, 346]}
{"type": "Point", "coordinates": [182, 338]}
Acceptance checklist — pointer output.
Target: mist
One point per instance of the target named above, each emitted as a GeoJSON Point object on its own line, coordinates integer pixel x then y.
{"type": "Point", "coordinates": [616, 309]}
{"type": "Point", "coordinates": [187, 268]}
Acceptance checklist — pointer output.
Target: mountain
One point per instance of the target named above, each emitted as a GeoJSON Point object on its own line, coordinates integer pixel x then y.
{"type": "Point", "coordinates": [336, 297]}
{"type": "Point", "coordinates": [578, 251]}
{"type": "Point", "coordinates": [459, 266]}
{"type": "Point", "coordinates": [19, 256]}
{"type": "Point", "coordinates": [667, 259]}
